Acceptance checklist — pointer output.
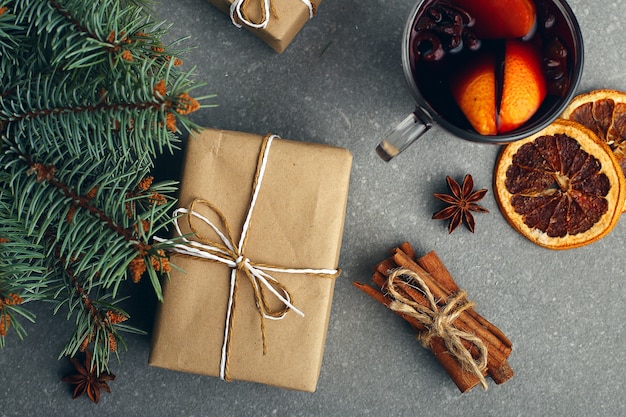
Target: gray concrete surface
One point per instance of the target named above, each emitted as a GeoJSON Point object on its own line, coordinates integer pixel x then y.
{"type": "Point", "coordinates": [340, 82]}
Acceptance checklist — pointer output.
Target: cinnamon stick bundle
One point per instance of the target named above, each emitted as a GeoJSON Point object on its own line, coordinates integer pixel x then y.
{"type": "Point", "coordinates": [423, 292]}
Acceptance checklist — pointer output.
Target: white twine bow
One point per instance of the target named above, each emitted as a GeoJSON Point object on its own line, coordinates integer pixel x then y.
{"type": "Point", "coordinates": [232, 256]}
{"type": "Point", "coordinates": [237, 14]}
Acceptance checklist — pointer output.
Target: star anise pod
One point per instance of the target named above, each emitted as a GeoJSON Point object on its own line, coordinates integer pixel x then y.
{"type": "Point", "coordinates": [87, 380]}
{"type": "Point", "coordinates": [462, 201]}
{"type": "Point", "coordinates": [443, 28]}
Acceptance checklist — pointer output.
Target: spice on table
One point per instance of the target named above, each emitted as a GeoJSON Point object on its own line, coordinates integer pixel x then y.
{"type": "Point", "coordinates": [462, 202]}
{"type": "Point", "coordinates": [87, 380]}
{"type": "Point", "coordinates": [423, 292]}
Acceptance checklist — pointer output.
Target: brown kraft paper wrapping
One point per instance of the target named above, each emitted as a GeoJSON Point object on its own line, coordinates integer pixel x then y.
{"type": "Point", "coordinates": [297, 222]}
{"type": "Point", "coordinates": [286, 19]}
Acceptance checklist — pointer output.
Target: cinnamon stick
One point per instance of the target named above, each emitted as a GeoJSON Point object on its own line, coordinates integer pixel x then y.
{"type": "Point", "coordinates": [433, 264]}
{"type": "Point", "coordinates": [408, 292]}
{"type": "Point", "coordinates": [386, 301]}
{"type": "Point", "coordinates": [442, 285]}
{"type": "Point", "coordinates": [407, 248]}
{"type": "Point", "coordinates": [420, 298]}
{"type": "Point", "coordinates": [456, 373]}
{"type": "Point", "coordinates": [462, 380]}
{"type": "Point", "coordinates": [441, 293]}
{"type": "Point", "coordinates": [497, 365]}
{"type": "Point", "coordinates": [498, 351]}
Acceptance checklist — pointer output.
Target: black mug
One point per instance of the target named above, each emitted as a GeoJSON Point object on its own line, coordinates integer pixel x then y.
{"type": "Point", "coordinates": [427, 114]}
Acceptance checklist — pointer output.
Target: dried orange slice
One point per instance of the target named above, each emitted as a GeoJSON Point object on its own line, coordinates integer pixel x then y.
{"type": "Point", "coordinates": [562, 187]}
{"type": "Point", "coordinates": [604, 112]}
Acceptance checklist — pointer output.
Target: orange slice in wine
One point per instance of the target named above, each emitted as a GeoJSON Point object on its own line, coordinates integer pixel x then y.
{"type": "Point", "coordinates": [562, 187]}
{"type": "Point", "coordinates": [524, 86]}
{"type": "Point", "coordinates": [474, 87]}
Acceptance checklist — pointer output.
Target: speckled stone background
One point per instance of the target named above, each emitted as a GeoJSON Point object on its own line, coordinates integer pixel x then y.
{"type": "Point", "coordinates": [341, 82]}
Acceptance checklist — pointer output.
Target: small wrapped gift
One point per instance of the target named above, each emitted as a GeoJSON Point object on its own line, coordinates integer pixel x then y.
{"type": "Point", "coordinates": [261, 221]}
{"type": "Point", "coordinates": [277, 22]}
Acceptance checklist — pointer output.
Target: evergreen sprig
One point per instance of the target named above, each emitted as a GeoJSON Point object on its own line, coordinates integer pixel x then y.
{"type": "Point", "coordinates": [89, 97]}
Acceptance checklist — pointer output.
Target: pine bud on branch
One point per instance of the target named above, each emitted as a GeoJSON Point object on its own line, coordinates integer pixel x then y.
{"type": "Point", "coordinates": [85, 109]}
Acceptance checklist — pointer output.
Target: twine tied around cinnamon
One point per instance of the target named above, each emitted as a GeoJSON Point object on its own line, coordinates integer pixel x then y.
{"type": "Point", "coordinates": [232, 255]}
{"type": "Point", "coordinates": [239, 17]}
{"type": "Point", "coordinates": [439, 321]}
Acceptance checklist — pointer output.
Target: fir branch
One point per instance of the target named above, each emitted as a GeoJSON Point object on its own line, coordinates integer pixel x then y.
{"type": "Point", "coordinates": [68, 16]}
{"type": "Point", "coordinates": [129, 240]}
{"type": "Point", "coordinates": [102, 106]}
{"type": "Point", "coordinates": [20, 281]}
{"type": "Point", "coordinates": [10, 311]}
{"type": "Point", "coordinates": [47, 173]}
{"type": "Point", "coordinates": [96, 323]}
{"type": "Point", "coordinates": [9, 35]}
{"type": "Point", "coordinates": [89, 96]}
{"type": "Point", "coordinates": [88, 24]}
{"type": "Point", "coordinates": [104, 119]}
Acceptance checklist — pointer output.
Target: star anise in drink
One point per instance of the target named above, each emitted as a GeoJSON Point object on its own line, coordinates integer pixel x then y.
{"type": "Point", "coordinates": [87, 380]}
{"type": "Point", "coordinates": [443, 28]}
{"type": "Point", "coordinates": [461, 203]}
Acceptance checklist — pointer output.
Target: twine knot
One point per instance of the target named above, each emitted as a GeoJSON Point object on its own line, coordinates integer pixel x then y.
{"type": "Point", "coordinates": [239, 16]}
{"type": "Point", "coordinates": [439, 321]}
{"type": "Point", "coordinates": [241, 262]}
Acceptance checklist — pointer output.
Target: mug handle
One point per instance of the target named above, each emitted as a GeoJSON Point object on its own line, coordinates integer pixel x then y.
{"type": "Point", "coordinates": [404, 134]}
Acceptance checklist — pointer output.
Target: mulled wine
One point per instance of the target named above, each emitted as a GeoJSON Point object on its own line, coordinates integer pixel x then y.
{"type": "Point", "coordinates": [492, 71]}
{"type": "Point", "coordinates": [494, 67]}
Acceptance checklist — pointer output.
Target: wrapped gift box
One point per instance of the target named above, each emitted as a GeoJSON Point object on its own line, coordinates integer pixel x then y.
{"type": "Point", "coordinates": [286, 18]}
{"type": "Point", "coordinates": [297, 222]}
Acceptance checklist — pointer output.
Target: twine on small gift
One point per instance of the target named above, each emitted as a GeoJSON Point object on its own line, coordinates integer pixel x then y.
{"type": "Point", "coordinates": [232, 255]}
{"type": "Point", "coordinates": [439, 321]}
{"type": "Point", "coordinates": [239, 17]}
